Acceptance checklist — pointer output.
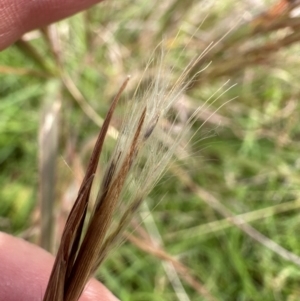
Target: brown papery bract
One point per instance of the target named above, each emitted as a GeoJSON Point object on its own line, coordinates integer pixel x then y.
{"type": "Point", "coordinates": [141, 155]}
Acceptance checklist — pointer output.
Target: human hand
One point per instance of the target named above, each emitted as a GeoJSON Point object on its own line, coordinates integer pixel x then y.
{"type": "Point", "coordinates": [25, 270]}
{"type": "Point", "coordinates": [20, 16]}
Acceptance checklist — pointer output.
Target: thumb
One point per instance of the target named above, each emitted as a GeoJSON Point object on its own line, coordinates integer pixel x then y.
{"type": "Point", "coordinates": [25, 270]}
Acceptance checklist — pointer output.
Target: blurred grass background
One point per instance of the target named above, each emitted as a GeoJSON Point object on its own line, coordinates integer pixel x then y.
{"type": "Point", "coordinates": [55, 87]}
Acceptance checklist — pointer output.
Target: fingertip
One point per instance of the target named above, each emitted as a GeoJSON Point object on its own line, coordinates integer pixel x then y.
{"type": "Point", "coordinates": [25, 270]}
{"type": "Point", "coordinates": [94, 289]}
{"type": "Point", "coordinates": [20, 16]}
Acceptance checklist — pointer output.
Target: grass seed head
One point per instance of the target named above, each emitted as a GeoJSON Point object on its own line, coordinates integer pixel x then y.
{"type": "Point", "coordinates": [143, 149]}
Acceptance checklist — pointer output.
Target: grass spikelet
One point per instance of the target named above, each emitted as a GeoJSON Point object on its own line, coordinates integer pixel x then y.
{"type": "Point", "coordinates": [140, 157]}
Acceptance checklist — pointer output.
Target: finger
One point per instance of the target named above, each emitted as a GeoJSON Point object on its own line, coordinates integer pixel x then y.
{"type": "Point", "coordinates": [20, 16]}
{"type": "Point", "coordinates": [25, 270]}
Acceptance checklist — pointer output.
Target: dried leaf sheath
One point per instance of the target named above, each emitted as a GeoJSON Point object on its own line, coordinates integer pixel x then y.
{"type": "Point", "coordinates": [73, 228]}
{"type": "Point", "coordinates": [100, 222]}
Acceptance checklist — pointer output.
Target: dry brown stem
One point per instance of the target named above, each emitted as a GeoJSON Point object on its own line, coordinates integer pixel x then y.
{"type": "Point", "coordinates": [147, 246]}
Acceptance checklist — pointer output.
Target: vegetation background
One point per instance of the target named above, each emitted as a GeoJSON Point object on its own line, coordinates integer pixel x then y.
{"type": "Point", "coordinates": [221, 225]}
